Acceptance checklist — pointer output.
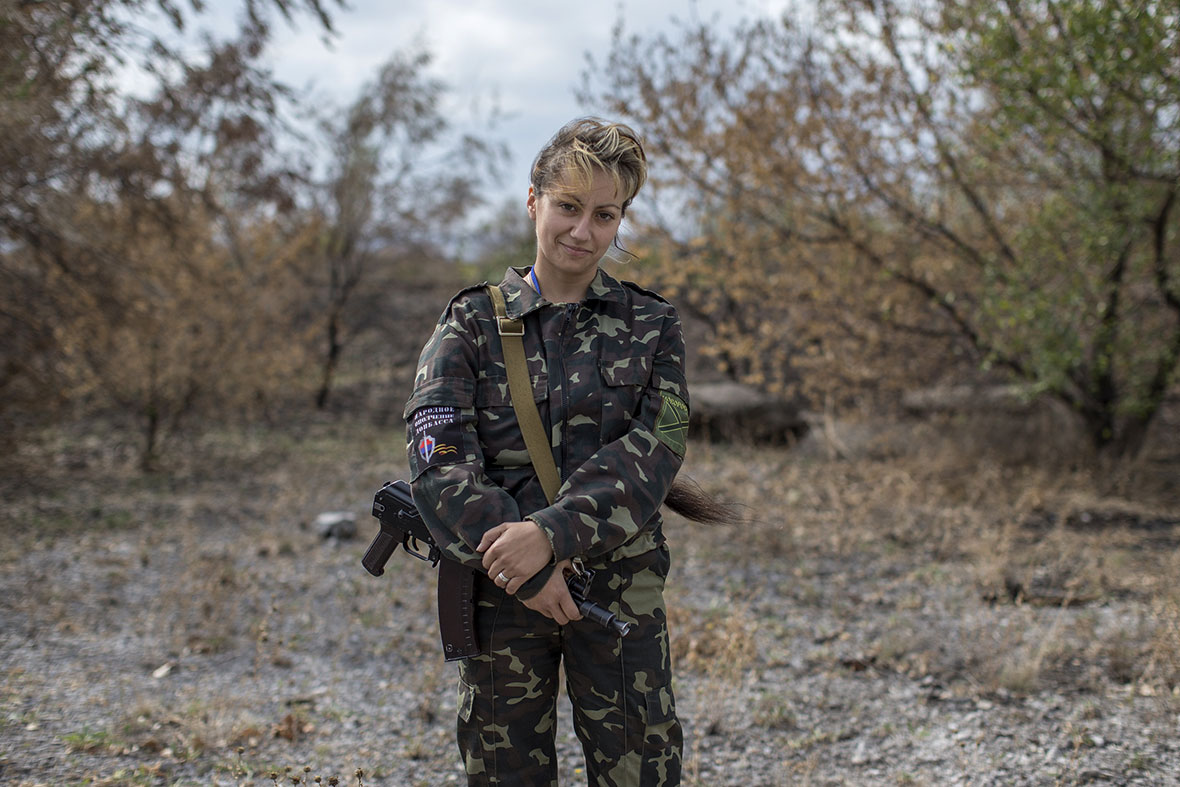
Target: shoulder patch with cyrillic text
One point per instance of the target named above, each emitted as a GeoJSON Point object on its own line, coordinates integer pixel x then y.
{"type": "Point", "coordinates": [437, 434]}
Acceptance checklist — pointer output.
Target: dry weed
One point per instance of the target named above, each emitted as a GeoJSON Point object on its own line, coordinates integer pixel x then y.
{"type": "Point", "coordinates": [1014, 656]}
{"type": "Point", "coordinates": [719, 642]}
{"type": "Point", "coordinates": [209, 606]}
{"type": "Point", "coordinates": [1163, 663]}
{"type": "Point", "coordinates": [718, 646]}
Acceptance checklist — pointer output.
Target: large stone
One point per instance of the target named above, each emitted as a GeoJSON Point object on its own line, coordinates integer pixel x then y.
{"type": "Point", "coordinates": [968, 398]}
{"type": "Point", "coordinates": [338, 525]}
{"type": "Point", "coordinates": [729, 411]}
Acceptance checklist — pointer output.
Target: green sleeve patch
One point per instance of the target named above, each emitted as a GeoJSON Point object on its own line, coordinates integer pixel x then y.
{"type": "Point", "coordinates": [672, 423]}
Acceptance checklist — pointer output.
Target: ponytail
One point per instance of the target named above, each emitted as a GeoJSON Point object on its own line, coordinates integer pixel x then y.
{"type": "Point", "coordinates": [690, 501]}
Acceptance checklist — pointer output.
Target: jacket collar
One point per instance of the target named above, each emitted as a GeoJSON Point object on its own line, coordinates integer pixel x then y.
{"type": "Point", "coordinates": [521, 298]}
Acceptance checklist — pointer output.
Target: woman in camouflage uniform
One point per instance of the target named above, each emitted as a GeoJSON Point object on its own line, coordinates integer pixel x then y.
{"type": "Point", "coordinates": [606, 361]}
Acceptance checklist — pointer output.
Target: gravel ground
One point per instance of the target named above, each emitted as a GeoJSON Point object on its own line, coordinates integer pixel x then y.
{"type": "Point", "coordinates": [208, 641]}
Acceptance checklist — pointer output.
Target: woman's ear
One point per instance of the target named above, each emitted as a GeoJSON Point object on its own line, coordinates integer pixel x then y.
{"type": "Point", "coordinates": [532, 204]}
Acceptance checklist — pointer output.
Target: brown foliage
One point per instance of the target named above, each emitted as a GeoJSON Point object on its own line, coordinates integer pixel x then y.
{"type": "Point", "coordinates": [180, 327]}
{"type": "Point", "coordinates": [890, 191]}
{"type": "Point", "coordinates": [125, 222]}
{"type": "Point", "coordinates": [170, 254]}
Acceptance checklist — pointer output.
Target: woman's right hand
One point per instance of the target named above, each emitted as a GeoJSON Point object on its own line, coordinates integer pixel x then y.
{"type": "Point", "coordinates": [517, 550]}
{"type": "Point", "coordinates": [554, 599]}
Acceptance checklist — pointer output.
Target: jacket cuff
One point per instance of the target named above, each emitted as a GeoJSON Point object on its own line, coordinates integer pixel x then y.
{"type": "Point", "coordinates": [533, 584]}
{"type": "Point", "coordinates": [563, 546]}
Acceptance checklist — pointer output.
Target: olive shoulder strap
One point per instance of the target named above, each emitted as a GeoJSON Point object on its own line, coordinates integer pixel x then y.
{"type": "Point", "coordinates": [520, 389]}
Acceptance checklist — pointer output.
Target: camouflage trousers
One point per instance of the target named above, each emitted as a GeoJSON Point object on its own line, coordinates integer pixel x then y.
{"type": "Point", "coordinates": [620, 687]}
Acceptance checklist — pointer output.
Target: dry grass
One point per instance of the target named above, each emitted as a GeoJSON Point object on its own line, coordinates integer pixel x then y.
{"type": "Point", "coordinates": [918, 551]}
{"type": "Point", "coordinates": [1163, 664]}
{"type": "Point", "coordinates": [1026, 549]}
{"type": "Point", "coordinates": [718, 647]}
{"type": "Point", "coordinates": [716, 642]}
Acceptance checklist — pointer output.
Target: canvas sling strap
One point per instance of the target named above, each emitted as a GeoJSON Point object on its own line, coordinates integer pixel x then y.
{"type": "Point", "coordinates": [520, 390]}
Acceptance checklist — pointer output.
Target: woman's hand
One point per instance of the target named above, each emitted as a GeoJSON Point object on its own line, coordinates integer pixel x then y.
{"type": "Point", "coordinates": [554, 600]}
{"type": "Point", "coordinates": [517, 550]}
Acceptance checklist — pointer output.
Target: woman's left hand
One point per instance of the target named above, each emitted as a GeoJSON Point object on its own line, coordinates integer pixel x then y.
{"type": "Point", "coordinates": [517, 550]}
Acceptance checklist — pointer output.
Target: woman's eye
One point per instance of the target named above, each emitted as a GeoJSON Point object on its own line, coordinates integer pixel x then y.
{"type": "Point", "coordinates": [606, 216]}
{"type": "Point", "coordinates": [567, 207]}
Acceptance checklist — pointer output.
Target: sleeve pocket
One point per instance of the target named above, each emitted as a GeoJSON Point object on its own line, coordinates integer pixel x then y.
{"type": "Point", "coordinates": [441, 392]}
{"type": "Point", "coordinates": [438, 424]}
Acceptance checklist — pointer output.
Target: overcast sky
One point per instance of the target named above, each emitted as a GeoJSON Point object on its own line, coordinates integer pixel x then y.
{"type": "Point", "coordinates": [526, 55]}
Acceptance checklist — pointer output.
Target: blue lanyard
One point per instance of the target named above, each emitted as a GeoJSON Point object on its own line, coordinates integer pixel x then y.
{"type": "Point", "coordinates": [536, 284]}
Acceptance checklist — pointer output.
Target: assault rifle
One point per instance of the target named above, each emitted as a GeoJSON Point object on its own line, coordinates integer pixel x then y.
{"type": "Point", "coordinates": [394, 507]}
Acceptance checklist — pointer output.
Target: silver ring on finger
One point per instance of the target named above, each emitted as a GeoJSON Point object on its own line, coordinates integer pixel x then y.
{"type": "Point", "coordinates": [502, 578]}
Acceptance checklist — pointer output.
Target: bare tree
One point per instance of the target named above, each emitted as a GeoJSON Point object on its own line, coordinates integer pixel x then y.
{"type": "Point", "coordinates": [399, 180]}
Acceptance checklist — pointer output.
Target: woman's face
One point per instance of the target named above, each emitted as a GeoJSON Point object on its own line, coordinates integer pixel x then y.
{"type": "Point", "coordinates": [575, 226]}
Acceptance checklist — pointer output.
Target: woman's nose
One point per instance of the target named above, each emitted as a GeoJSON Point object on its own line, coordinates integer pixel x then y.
{"type": "Point", "coordinates": [581, 228]}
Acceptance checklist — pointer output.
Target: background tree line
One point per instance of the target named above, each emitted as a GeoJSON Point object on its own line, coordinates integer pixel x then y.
{"type": "Point", "coordinates": [190, 249]}
{"type": "Point", "coordinates": [889, 193]}
{"type": "Point", "coordinates": [863, 198]}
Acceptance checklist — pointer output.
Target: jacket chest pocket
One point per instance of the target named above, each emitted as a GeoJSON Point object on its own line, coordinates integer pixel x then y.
{"type": "Point", "coordinates": [499, 431]}
{"type": "Point", "coordinates": [624, 381]}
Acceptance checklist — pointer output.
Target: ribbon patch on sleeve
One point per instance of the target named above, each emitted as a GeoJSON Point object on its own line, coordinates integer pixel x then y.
{"type": "Point", "coordinates": [672, 423]}
{"type": "Point", "coordinates": [437, 434]}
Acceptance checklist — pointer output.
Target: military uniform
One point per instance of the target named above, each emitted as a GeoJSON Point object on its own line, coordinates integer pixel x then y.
{"type": "Point", "coordinates": [608, 380]}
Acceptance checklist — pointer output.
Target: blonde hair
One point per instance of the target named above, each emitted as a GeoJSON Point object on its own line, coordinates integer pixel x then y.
{"type": "Point", "coordinates": [586, 146]}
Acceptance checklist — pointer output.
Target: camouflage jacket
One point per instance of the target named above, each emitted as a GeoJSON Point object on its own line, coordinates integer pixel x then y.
{"type": "Point", "coordinates": [608, 381]}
